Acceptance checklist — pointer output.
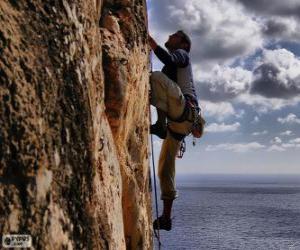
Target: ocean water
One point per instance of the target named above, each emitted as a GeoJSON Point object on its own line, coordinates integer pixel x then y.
{"type": "Point", "coordinates": [235, 212]}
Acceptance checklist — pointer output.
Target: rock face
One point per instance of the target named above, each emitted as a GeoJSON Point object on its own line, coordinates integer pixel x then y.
{"type": "Point", "coordinates": [74, 117]}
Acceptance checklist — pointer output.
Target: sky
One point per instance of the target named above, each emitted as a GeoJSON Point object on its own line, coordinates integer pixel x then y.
{"type": "Point", "coordinates": [246, 66]}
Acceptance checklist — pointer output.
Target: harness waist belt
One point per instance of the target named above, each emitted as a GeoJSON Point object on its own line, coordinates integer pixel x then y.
{"type": "Point", "coordinates": [186, 115]}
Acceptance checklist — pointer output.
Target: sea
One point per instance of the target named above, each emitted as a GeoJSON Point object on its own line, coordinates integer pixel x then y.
{"type": "Point", "coordinates": [234, 212]}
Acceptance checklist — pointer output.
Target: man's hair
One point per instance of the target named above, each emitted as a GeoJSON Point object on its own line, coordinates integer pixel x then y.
{"type": "Point", "coordinates": [186, 39]}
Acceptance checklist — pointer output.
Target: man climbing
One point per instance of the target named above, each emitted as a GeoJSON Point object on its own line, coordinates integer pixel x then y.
{"type": "Point", "coordinates": [172, 93]}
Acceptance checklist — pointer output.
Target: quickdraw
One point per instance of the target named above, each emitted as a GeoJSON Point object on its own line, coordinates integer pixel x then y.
{"type": "Point", "coordinates": [181, 149]}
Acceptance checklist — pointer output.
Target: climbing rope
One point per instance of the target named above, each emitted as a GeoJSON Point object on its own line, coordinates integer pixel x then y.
{"type": "Point", "coordinates": [156, 232]}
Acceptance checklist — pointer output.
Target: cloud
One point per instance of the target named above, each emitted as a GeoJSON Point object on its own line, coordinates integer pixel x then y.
{"type": "Point", "coordinates": [219, 111]}
{"type": "Point", "coordinates": [278, 75]}
{"type": "Point", "coordinates": [215, 27]}
{"type": "Point", "coordinates": [260, 133]}
{"type": "Point", "coordinates": [268, 84]}
{"type": "Point", "coordinates": [276, 140]}
{"type": "Point", "coordinates": [279, 28]}
{"type": "Point", "coordinates": [237, 147]}
{"type": "Point", "coordinates": [286, 133]}
{"type": "Point", "coordinates": [277, 7]}
{"type": "Point", "coordinates": [224, 83]}
{"type": "Point", "coordinates": [219, 128]}
{"type": "Point", "coordinates": [279, 146]}
{"type": "Point", "coordinates": [289, 119]}
{"type": "Point", "coordinates": [274, 83]}
{"type": "Point", "coordinates": [288, 145]}
{"type": "Point", "coordinates": [276, 148]}
{"type": "Point", "coordinates": [263, 105]}
{"type": "Point", "coordinates": [295, 141]}
{"type": "Point", "coordinates": [275, 28]}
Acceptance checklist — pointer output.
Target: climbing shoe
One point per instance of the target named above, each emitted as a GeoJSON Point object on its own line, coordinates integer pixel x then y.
{"type": "Point", "coordinates": [159, 130]}
{"type": "Point", "coordinates": [162, 223]}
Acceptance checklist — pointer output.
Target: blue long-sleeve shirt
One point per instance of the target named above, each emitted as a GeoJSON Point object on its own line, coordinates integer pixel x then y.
{"type": "Point", "coordinates": [178, 68]}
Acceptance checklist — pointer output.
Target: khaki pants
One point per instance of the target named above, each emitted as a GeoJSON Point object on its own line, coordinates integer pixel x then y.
{"type": "Point", "coordinates": [167, 96]}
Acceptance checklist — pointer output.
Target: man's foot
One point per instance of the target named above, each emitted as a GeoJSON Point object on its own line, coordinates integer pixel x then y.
{"type": "Point", "coordinates": [162, 223]}
{"type": "Point", "coordinates": [158, 130]}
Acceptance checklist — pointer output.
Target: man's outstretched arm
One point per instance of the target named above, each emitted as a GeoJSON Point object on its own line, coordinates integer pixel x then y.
{"type": "Point", "coordinates": [177, 58]}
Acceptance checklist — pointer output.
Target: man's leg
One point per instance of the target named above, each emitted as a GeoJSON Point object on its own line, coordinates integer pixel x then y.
{"type": "Point", "coordinates": [167, 209]}
{"type": "Point", "coordinates": [166, 173]}
{"type": "Point", "coordinates": [165, 221]}
{"type": "Point", "coordinates": [166, 96]}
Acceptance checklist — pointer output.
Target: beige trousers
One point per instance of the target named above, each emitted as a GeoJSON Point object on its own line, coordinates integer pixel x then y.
{"type": "Point", "coordinates": [167, 96]}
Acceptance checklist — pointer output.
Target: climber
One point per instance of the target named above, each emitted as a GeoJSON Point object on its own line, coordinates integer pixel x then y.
{"type": "Point", "coordinates": [171, 90]}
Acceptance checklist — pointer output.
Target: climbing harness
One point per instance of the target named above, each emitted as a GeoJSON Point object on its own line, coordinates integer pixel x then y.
{"type": "Point", "coordinates": [192, 114]}
{"type": "Point", "coordinates": [156, 231]}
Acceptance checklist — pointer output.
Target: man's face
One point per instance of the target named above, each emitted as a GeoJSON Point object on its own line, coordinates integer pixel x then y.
{"type": "Point", "coordinates": [174, 41]}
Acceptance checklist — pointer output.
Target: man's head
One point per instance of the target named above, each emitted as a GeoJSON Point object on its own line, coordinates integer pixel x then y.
{"type": "Point", "coordinates": [179, 40]}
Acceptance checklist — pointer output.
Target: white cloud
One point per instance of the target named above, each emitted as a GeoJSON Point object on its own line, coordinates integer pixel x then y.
{"type": "Point", "coordinates": [285, 61]}
{"type": "Point", "coordinates": [219, 111]}
{"type": "Point", "coordinates": [217, 128]}
{"type": "Point", "coordinates": [223, 83]}
{"type": "Point", "coordinates": [276, 82]}
{"type": "Point", "coordinates": [216, 26]}
{"type": "Point", "coordinates": [295, 141]}
{"type": "Point", "coordinates": [288, 145]}
{"type": "Point", "coordinates": [286, 133]}
{"type": "Point", "coordinates": [276, 140]}
{"type": "Point", "coordinates": [280, 147]}
{"type": "Point", "coordinates": [237, 147]}
{"type": "Point", "coordinates": [277, 75]}
{"type": "Point", "coordinates": [264, 132]}
{"type": "Point", "coordinates": [276, 148]}
{"type": "Point", "coordinates": [263, 105]}
{"type": "Point", "coordinates": [289, 119]}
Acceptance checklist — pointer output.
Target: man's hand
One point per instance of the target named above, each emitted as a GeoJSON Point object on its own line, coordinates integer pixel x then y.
{"type": "Point", "coordinates": [152, 42]}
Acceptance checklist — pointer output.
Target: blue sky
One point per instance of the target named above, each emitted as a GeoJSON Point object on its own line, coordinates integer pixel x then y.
{"type": "Point", "coordinates": [246, 65]}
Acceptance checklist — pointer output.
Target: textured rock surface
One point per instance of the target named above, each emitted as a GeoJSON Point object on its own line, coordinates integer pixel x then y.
{"type": "Point", "coordinates": [74, 123]}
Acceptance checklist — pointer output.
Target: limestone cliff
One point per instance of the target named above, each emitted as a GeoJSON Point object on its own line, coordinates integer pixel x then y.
{"type": "Point", "coordinates": [74, 118]}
